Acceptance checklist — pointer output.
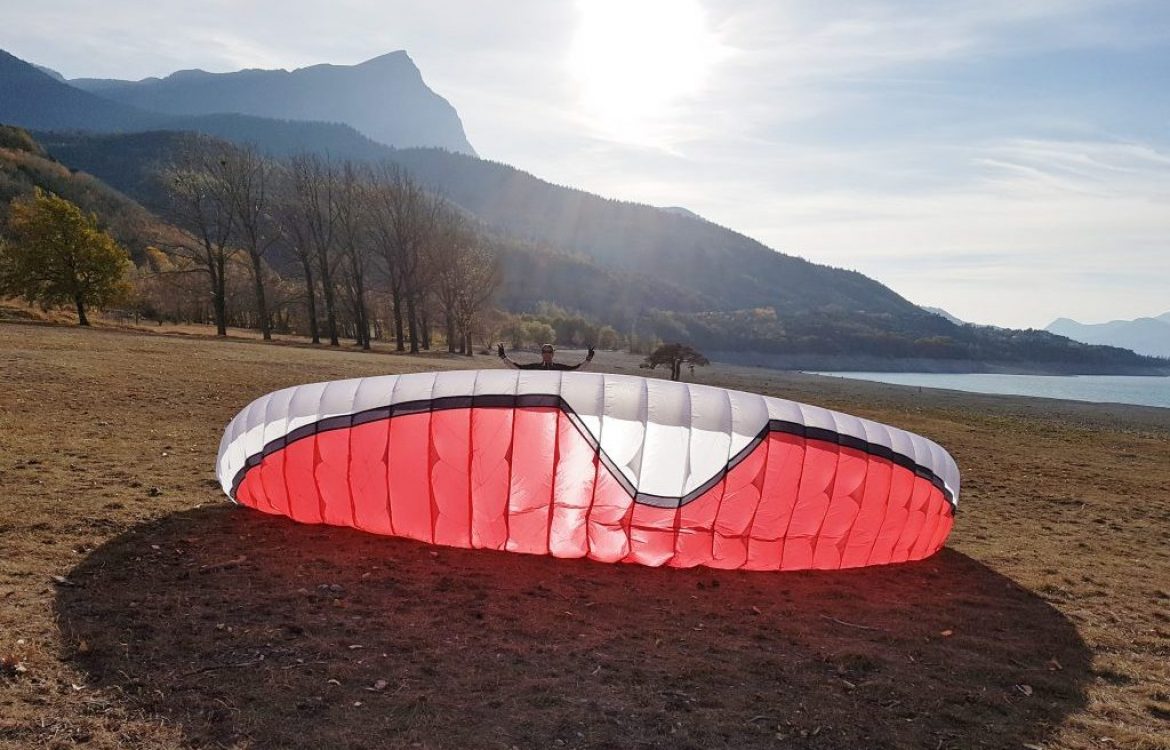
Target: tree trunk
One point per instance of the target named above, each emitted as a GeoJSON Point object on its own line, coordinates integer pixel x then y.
{"type": "Point", "coordinates": [311, 291]}
{"type": "Point", "coordinates": [467, 342]}
{"type": "Point", "coordinates": [327, 292]}
{"type": "Point", "coordinates": [399, 337]}
{"type": "Point", "coordinates": [81, 319]}
{"type": "Point", "coordinates": [261, 303]}
{"type": "Point", "coordinates": [450, 335]}
{"type": "Point", "coordinates": [426, 331]}
{"type": "Point", "coordinates": [412, 323]}
{"type": "Point", "coordinates": [219, 296]}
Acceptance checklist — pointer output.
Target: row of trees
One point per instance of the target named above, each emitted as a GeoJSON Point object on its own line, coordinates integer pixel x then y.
{"type": "Point", "coordinates": [360, 240]}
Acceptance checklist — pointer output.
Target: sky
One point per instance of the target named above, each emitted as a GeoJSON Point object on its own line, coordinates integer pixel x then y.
{"type": "Point", "coordinates": [1005, 160]}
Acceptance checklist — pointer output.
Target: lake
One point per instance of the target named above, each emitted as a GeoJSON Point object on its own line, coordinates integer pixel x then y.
{"type": "Point", "coordinates": [1120, 389]}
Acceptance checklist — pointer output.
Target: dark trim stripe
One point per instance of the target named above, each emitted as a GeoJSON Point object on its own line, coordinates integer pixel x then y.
{"type": "Point", "coordinates": [507, 401]}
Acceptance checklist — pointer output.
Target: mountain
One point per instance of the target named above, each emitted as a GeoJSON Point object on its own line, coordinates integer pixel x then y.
{"type": "Point", "coordinates": [655, 273]}
{"type": "Point", "coordinates": [384, 98]}
{"type": "Point", "coordinates": [946, 315]}
{"type": "Point", "coordinates": [25, 166]}
{"type": "Point", "coordinates": [33, 99]}
{"type": "Point", "coordinates": [1150, 336]}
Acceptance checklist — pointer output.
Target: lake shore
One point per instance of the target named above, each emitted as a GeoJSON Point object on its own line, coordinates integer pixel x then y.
{"type": "Point", "coordinates": [143, 610]}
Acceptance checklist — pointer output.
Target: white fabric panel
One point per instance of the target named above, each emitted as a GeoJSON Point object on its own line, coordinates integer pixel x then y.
{"type": "Point", "coordinates": [749, 415]}
{"type": "Point", "coordinates": [276, 415]}
{"type": "Point", "coordinates": [304, 408]}
{"type": "Point", "coordinates": [337, 398]}
{"type": "Point", "coordinates": [623, 423]}
{"type": "Point", "coordinates": [666, 444]}
{"type": "Point", "coordinates": [946, 468]}
{"type": "Point", "coordinates": [815, 416]}
{"type": "Point", "coordinates": [416, 386]}
{"type": "Point", "coordinates": [877, 433]}
{"type": "Point", "coordinates": [921, 454]}
{"type": "Point", "coordinates": [494, 382]}
{"type": "Point", "coordinates": [252, 440]}
{"type": "Point", "coordinates": [848, 425]}
{"type": "Point", "coordinates": [585, 394]}
{"type": "Point", "coordinates": [454, 383]}
{"type": "Point", "coordinates": [537, 382]}
{"type": "Point", "coordinates": [900, 442]}
{"type": "Point", "coordinates": [710, 444]}
{"type": "Point", "coordinates": [373, 393]}
{"type": "Point", "coordinates": [777, 408]}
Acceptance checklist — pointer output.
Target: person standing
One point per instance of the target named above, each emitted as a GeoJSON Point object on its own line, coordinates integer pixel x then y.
{"type": "Point", "coordinates": [547, 352]}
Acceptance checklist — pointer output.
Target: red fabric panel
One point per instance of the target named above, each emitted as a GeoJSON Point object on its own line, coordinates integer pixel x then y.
{"type": "Point", "coordinates": [695, 535]}
{"type": "Point", "coordinates": [946, 519]}
{"type": "Point", "coordinates": [274, 498]}
{"type": "Point", "coordinates": [534, 449]}
{"type": "Point", "coordinates": [741, 497]}
{"type": "Point", "coordinates": [300, 461]}
{"type": "Point", "coordinates": [450, 476]}
{"type": "Point", "coordinates": [874, 498]}
{"type": "Point", "coordinates": [576, 471]}
{"type": "Point", "coordinates": [812, 502]}
{"type": "Point", "coordinates": [332, 474]}
{"type": "Point", "coordinates": [491, 467]}
{"type": "Point", "coordinates": [408, 473]}
{"type": "Point", "coordinates": [652, 534]}
{"type": "Point", "coordinates": [608, 533]}
{"type": "Point", "coordinates": [894, 519]}
{"type": "Point", "coordinates": [367, 476]}
{"type": "Point", "coordinates": [777, 498]}
{"type": "Point", "coordinates": [915, 519]}
{"type": "Point", "coordinates": [848, 490]}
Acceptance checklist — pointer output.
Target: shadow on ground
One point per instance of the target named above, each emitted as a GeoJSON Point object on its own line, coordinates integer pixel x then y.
{"type": "Point", "coordinates": [246, 629]}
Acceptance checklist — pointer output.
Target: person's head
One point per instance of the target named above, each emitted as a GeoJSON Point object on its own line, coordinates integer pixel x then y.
{"type": "Point", "coordinates": [546, 352]}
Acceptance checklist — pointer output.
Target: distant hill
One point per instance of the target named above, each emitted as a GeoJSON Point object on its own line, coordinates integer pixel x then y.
{"type": "Point", "coordinates": [944, 314]}
{"type": "Point", "coordinates": [644, 270]}
{"type": "Point", "coordinates": [24, 166]}
{"type": "Point", "coordinates": [384, 98]}
{"type": "Point", "coordinates": [32, 98]}
{"type": "Point", "coordinates": [1150, 336]}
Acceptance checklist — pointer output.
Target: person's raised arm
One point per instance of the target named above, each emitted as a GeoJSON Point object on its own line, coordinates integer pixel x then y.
{"type": "Point", "coordinates": [504, 358]}
{"type": "Point", "coordinates": [579, 365]}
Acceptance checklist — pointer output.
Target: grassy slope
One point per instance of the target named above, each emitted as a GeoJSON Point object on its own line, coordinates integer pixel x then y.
{"type": "Point", "coordinates": [182, 621]}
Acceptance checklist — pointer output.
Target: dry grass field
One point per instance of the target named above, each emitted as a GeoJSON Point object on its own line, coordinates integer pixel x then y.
{"type": "Point", "coordinates": [138, 609]}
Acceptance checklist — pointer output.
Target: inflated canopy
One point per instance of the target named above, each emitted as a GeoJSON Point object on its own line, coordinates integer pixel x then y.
{"type": "Point", "coordinates": [611, 467]}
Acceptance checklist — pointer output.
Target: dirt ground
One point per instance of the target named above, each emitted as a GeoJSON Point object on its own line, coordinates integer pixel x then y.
{"type": "Point", "coordinates": [138, 609]}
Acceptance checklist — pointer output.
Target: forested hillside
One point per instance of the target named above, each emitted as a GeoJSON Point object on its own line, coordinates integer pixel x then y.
{"type": "Point", "coordinates": [649, 273]}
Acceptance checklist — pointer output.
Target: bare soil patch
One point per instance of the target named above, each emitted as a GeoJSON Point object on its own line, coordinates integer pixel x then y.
{"type": "Point", "coordinates": [139, 609]}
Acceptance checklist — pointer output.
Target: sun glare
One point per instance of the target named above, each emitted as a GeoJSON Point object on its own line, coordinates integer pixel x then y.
{"type": "Point", "coordinates": [635, 59]}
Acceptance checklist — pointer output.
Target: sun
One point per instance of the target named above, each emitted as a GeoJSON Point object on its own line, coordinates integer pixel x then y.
{"type": "Point", "coordinates": [634, 60]}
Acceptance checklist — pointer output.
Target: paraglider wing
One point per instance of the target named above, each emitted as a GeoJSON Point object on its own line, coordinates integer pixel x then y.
{"type": "Point", "coordinates": [611, 467]}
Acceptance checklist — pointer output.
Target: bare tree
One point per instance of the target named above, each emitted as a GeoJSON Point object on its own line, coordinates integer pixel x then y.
{"type": "Point", "coordinates": [404, 220]}
{"type": "Point", "coordinates": [198, 202]}
{"type": "Point", "coordinates": [313, 215]}
{"type": "Point", "coordinates": [354, 241]}
{"type": "Point", "coordinates": [248, 178]}
{"type": "Point", "coordinates": [465, 277]}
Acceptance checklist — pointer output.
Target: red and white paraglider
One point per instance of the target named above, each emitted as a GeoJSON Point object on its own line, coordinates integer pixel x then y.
{"type": "Point", "coordinates": [610, 467]}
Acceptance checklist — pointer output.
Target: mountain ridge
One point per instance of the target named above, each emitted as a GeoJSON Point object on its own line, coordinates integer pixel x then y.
{"type": "Point", "coordinates": [385, 98]}
{"type": "Point", "coordinates": [1145, 335]}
